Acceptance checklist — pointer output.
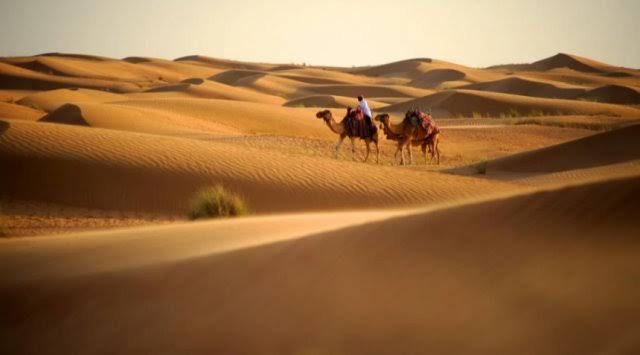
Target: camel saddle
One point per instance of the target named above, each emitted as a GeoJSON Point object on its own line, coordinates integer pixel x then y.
{"type": "Point", "coordinates": [357, 114]}
{"type": "Point", "coordinates": [357, 126]}
{"type": "Point", "coordinates": [428, 124]}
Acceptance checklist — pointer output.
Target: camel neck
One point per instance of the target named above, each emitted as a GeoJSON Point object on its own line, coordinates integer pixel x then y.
{"type": "Point", "coordinates": [333, 125]}
{"type": "Point", "coordinates": [395, 129]}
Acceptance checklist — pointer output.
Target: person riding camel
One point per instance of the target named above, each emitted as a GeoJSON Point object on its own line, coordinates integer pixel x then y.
{"type": "Point", "coordinates": [364, 106]}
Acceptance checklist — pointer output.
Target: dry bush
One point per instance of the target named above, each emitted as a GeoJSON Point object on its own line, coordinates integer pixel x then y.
{"type": "Point", "coordinates": [216, 201]}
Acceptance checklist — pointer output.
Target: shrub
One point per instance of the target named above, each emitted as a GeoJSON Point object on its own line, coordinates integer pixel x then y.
{"type": "Point", "coordinates": [476, 114]}
{"type": "Point", "coordinates": [536, 113]}
{"type": "Point", "coordinates": [216, 201]}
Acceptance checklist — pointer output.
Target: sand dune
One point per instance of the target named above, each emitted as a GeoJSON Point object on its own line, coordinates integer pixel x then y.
{"type": "Point", "coordinates": [368, 90]}
{"type": "Point", "coordinates": [423, 281]}
{"type": "Point", "coordinates": [252, 105]}
{"type": "Point", "coordinates": [246, 117]}
{"type": "Point", "coordinates": [614, 94]}
{"type": "Point", "coordinates": [612, 147]}
{"type": "Point", "coordinates": [12, 96]}
{"type": "Point", "coordinates": [206, 89]}
{"type": "Point", "coordinates": [466, 102]}
{"type": "Point", "coordinates": [156, 113]}
{"type": "Point", "coordinates": [272, 85]}
{"type": "Point", "coordinates": [142, 165]}
{"type": "Point", "coordinates": [430, 74]}
{"type": "Point", "coordinates": [51, 100]}
{"type": "Point", "coordinates": [88, 57]}
{"type": "Point", "coordinates": [172, 71]}
{"type": "Point", "coordinates": [60, 71]}
{"type": "Point", "coordinates": [535, 255]}
{"type": "Point", "coordinates": [520, 86]}
{"type": "Point", "coordinates": [331, 76]}
{"type": "Point", "coordinates": [468, 144]}
{"type": "Point", "coordinates": [224, 63]}
{"type": "Point", "coordinates": [16, 78]}
{"type": "Point", "coordinates": [563, 60]}
{"type": "Point", "coordinates": [404, 68]}
{"type": "Point", "coordinates": [118, 117]}
{"type": "Point", "coordinates": [436, 77]}
{"type": "Point", "coordinates": [114, 70]}
{"type": "Point", "coordinates": [193, 81]}
{"type": "Point", "coordinates": [588, 80]}
{"type": "Point", "coordinates": [565, 178]}
{"type": "Point", "coordinates": [330, 101]}
{"type": "Point", "coordinates": [10, 110]}
{"type": "Point", "coordinates": [231, 77]}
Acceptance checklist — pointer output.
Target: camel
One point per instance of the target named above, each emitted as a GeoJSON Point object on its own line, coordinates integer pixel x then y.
{"type": "Point", "coordinates": [339, 129]}
{"type": "Point", "coordinates": [407, 135]}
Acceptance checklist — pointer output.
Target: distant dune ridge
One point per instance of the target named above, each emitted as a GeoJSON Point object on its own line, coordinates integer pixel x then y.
{"type": "Point", "coordinates": [562, 60]}
{"type": "Point", "coordinates": [523, 240]}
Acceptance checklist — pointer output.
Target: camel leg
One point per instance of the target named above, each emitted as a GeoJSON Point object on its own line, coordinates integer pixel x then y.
{"type": "Point", "coordinates": [337, 150]}
{"type": "Point", "coordinates": [367, 142]}
{"type": "Point", "coordinates": [401, 150]}
{"type": "Point", "coordinates": [410, 153]}
{"type": "Point", "coordinates": [424, 151]}
{"type": "Point", "coordinates": [436, 148]}
{"type": "Point", "coordinates": [377, 152]}
{"type": "Point", "coordinates": [353, 148]}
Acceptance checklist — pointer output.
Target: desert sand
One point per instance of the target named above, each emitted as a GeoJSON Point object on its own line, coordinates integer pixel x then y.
{"type": "Point", "coordinates": [523, 240]}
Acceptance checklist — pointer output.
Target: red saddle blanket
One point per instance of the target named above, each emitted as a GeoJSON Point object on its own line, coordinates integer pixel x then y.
{"type": "Point", "coordinates": [428, 124]}
{"type": "Point", "coordinates": [357, 113]}
{"type": "Point", "coordinates": [357, 126]}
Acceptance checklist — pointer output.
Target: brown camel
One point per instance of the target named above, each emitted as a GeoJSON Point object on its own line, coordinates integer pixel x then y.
{"type": "Point", "coordinates": [408, 134]}
{"type": "Point", "coordinates": [340, 129]}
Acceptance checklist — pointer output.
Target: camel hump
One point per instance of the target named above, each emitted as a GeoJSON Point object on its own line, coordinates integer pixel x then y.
{"type": "Point", "coordinates": [411, 120]}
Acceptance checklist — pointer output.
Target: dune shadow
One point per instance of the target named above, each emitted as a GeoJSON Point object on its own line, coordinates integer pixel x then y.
{"type": "Point", "coordinates": [66, 114]}
{"type": "Point", "coordinates": [4, 126]}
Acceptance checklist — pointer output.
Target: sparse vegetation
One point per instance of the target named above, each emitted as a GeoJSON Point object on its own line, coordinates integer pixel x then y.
{"type": "Point", "coordinates": [594, 126]}
{"type": "Point", "coordinates": [216, 201]}
{"type": "Point", "coordinates": [476, 114]}
{"type": "Point", "coordinates": [589, 99]}
{"type": "Point", "coordinates": [536, 113]}
{"type": "Point", "coordinates": [481, 168]}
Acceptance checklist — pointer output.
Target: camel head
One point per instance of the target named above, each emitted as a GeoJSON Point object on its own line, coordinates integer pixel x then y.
{"type": "Point", "coordinates": [324, 114]}
{"type": "Point", "coordinates": [381, 118]}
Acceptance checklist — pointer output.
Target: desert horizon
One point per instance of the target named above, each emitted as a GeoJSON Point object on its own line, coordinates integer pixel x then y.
{"type": "Point", "coordinates": [203, 205]}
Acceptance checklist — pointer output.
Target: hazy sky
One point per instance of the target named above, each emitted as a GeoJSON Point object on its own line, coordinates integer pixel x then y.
{"type": "Point", "coordinates": [327, 32]}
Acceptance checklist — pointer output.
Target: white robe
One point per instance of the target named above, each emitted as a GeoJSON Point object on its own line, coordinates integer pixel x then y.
{"type": "Point", "coordinates": [364, 106]}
